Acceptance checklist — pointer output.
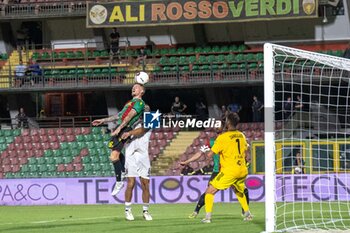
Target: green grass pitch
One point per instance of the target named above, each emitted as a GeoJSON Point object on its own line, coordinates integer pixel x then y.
{"type": "Point", "coordinates": [167, 218]}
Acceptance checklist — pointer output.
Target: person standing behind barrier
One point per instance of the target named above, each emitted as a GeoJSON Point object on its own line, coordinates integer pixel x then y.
{"type": "Point", "coordinates": [20, 73]}
{"type": "Point", "coordinates": [22, 119]}
{"type": "Point", "coordinates": [114, 40]}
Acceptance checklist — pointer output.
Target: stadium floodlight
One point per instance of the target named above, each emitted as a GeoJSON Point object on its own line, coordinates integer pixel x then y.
{"type": "Point", "coordinates": [307, 140]}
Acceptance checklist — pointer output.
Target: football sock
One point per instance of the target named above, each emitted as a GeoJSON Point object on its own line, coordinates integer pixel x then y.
{"type": "Point", "coordinates": [127, 206]}
{"type": "Point", "coordinates": [200, 203]}
{"type": "Point", "coordinates": [243, 201]}
{"type": "Point", "coordinates": [246, 193]}
{"type": "Point", "coordinates": [118, 170]}
{"type": "Point", "coordinates": [209, 202]}
{"type": "Point", "coordinates": [122, 160]}
{"type": "Point", "coordinates": [145, 207]}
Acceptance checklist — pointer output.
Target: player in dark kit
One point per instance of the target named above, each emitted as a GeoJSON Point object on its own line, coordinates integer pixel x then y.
{"type": "Point", "coordinates": [126, 119]}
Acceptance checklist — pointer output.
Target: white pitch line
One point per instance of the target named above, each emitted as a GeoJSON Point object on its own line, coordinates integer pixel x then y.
{"type": "Point", "coordinates": [8, 223]}
{"type": "Point", "coordinates": [71, 219]}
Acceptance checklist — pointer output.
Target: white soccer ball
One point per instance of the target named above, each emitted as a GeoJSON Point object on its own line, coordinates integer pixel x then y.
{"type": "Point", "coordinates": [141, 78]}
{"type": "Point", "coordinates": [297, 170]}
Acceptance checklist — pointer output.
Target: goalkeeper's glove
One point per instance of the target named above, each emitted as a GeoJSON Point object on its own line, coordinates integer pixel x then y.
{"type": "Point", "coordinates": [204, 148]}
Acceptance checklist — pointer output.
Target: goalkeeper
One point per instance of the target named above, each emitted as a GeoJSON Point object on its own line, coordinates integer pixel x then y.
{"type": "Point", "coordinates": [216, 169]}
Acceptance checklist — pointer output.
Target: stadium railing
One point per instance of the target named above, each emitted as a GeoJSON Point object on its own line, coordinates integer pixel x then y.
{"type": "Point", "coordinates": [28, 9]}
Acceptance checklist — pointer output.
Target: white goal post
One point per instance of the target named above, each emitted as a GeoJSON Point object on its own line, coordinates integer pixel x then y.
{"type": "Point", "coordinates": [307, 140]}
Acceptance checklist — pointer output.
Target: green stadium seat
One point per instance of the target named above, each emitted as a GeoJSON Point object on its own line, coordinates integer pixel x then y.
{"type": "Point", "coordinates": [55, 73]}
{"type": "Point", "coordinates": [185, 68]}
{"type": "Point", "coordinates": [86, 159]}
{"type": "Point", "coordinates": [198, 50]}
{"type": "Point", "coordinates": [33, 168]}
{"type": "Point", "coordinates": [41, 160]}
{"type": "Point", "coordinates": [243, 66]}
{"type": "Point", "coordinates": [202, 59]}
{"type": "Point", "coordinates": [181, 50]}
{"type": "Point", "coordinates": [192, 59]}
{"type": "Point", "coordinates": [36, 55]}
{"type": "Point", "coordinates": [224, 66]}
{"type": "Point", "coordinates": [249, 57]}
{"type": "Point", "coordinates": [87, 167]}
{"type": "Point", "coordinates": [50, 161]}
{"type": "Point", "coordinates": [253, 65]}
{"type": "Point", "coordinates": [224, 49]}
{"type": "Point", "coordinates": [54, 55]}
{"type": "Point", "coordinates": [173, 60]}
{"type": "Point", "coordinates": [166, 69]}
{"type": "Point", "coordinates": [220, 58]}
{"type": "Point", "coordinates": [183, 60]}
{"type": "Point", "coordinates": [4, 56]}
{"type": "Point", "coordinates": [259, 57]}
{"type": "Point", "coordinates": [164, 51]}
{"type": "Point", "coordinates": [174, 68]}
{"type": "Point", "coordinates": [96, 167]}
{"type": "Point", "coordinates": [234, 66]}
{"type": "Point", "coordinates": [215, 49]}
{"type": "Point", "coordinates": [47, 73]}
{"type": "Point", "coordinates": [57, 153]}
{"type": "Point", "coordinates": [96, 53]}
{"type": "Point", "coordinates": [239, 57]}
{"type": "Point", "coordinates": [214, 66]}
{"type": "Point", "coordinates": [62, 55]}
{"type": "Point", "coordinates": [189, 50]}
{"type": "Point", "coordinates": [163, 60]}
{"type": "Point", "coordinates": [172, 51]}
{"type": "Point", "coordinates": [45, 55]}
{"type": "Point", "coordinates": [48, 153]}
{"type": "Point", "coordinates": [89, 72]}
{"type": "Point", "coordinates": [70, 54]}
{"type": "Point", "coordinates": [233, 48]}
{"type": "Point", "coordinates": [195, 68]}
{"type": "Point", "coordinates": [211, 58]}
{"type": "Point", "coordinates": [242, 48]}
{"type": "Point", "coordinates": [157, 69]}
{"type": "Point", "coordinates": [104, 53]}
{"type": "Point", "coordinates": [58, 160]}
{"type": "Point", "coordinates": [204, 67]}
{"type": "Point", "coordinates": [79, 54]}
{"type": "Point", "coordinates": [230, 57]}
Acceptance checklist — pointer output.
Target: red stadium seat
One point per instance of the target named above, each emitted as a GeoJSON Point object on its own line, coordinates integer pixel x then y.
{"type": "Point", "coordinates": [5, 154]}
{"type": "Point", "coordinates": [35, 138]}
{"type": "Point", "coordinates": [20, 146]}
{"type": "Point", "coordinates": [77, 131]}
{"type": "Point", "coordinates": [153, 136]}
{"type": "Point", "coordinates": [53, 138]}
{"type": "Point", "coordinates": [14, 161]}
{"type": "Point", "coordinates": [11, 147]}
{"type": "Point", "coordinates": [28, 146]}
{"type": "Point", "coordinates": [42, 132]}
{"type": "Point", "coordinates": [6, 161]}
{"type": "Point", "coordinates": [54, 145]}
{"type": "Point", "coordinates": [7, 168]}
{"type": "Point", "coordinates": [86, 130]}
{"type": "Point", "coordinates": [25, 132]}
{"type": "Point", "coordinates": [60, 131]}
{"type": "Point", "coordinates": [78, 167]}
{"type": "Point", "coordinates": [84, 152]}
{"type": "Point", "coordinates": [70, 138]}
{"type": "Point", "coordinates": [62, 138]}
{"type": "Point", "coordinates": [69, 168]}
{"type": "Point", "coordinates": [44, 138]}
{"type": "Point", "coordinates": [51, 132]}
{"type": "Point", "coordinates": [22, 161]}
{"type": "Point", "coordinates": [46, 145]}
{"type": "Point", "coordinates": [61, 168]}
{"type": "Point", "coordinates": [16, 168]}
{"type": "Point", "coordinates": [18, 140]}
{"type": "Point", "coordinates": [69, 131]}
{"type": "Point", "coordinates": [34, 132]}
{"type": "Point", "coordinates": [27, 139]}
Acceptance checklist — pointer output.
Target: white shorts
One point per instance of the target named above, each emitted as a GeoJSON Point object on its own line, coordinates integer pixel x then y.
{"type": "Point", "coordinates": [137, 163]}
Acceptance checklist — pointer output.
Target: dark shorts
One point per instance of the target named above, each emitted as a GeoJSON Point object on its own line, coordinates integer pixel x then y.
{"type": "Point", "coordinates": [116, 143]}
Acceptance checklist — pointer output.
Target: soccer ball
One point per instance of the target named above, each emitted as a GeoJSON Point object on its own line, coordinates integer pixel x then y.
{"type": "Point", "coordinates": [297, 170]}
{"type": "Point", "coordinates": [141, 78]}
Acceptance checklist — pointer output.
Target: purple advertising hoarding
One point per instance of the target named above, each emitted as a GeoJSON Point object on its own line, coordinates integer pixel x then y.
{"type": "Point", "coordinates": [177, 189]}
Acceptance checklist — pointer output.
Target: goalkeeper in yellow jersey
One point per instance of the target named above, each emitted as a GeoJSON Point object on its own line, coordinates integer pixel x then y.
{"type": "Point", "coordinates": [231, 147]}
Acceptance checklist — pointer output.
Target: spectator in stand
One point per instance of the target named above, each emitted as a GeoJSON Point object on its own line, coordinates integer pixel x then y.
{"type": "Point", "coordinates": [201, 110]}
{"type": "Point", "coordinates": [35, 72]}
{"type": "Point", "coordinates": [20, 73]}
{"type": "Point", "coordinates": [150, 45]}
{"type": "Point", "coordinates": [187, 170]}
{"type": "Point", "coordinates": [114, 40]}
{"type": "Point", "coordinates": [224, 114]}
{"type": "Point", "coordinates": [257, 107]}
{"type": "Point", "coordinates": [22, 119]}
{"type": "Point", "coordinates": [347, 52]}
{"type": "Point", "coordinates": [287, 108]}
{"type": "Point", "coordinates": [178, 107]}
{"type": "Point", "coordinates": [234, 107]}
{"type": "Point", "coordinates": [299, 104]}
{"type": "Point", "coordinates": [141, 57]}
{"type": "Point", "coordinates": [299, 163]}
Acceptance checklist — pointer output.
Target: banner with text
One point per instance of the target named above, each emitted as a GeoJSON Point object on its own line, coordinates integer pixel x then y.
{"type": "Point", "coordinates": [147, 13]}
{"type": "Point", "coordinates": [163, 189]}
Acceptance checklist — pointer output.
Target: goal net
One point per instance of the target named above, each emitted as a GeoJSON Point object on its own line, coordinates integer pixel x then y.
{"type": "Point", "coordinates": [307, 140]}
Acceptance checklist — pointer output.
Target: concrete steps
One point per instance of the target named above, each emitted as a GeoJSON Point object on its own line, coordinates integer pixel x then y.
{"type": "Point", "coordinates": [172, 152]}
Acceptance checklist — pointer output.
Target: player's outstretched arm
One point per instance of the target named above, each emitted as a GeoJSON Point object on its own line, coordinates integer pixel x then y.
{"type": "Point", "coordinates": [195, 157]}
{"type": "Point", "coordinates": [126, 120]}
{"type": "Point", "coordinates": [135, 132]}
{"type": "Point", "coordinates": [98, 122]}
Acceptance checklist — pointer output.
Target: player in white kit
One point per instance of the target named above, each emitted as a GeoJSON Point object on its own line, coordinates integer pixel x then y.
{"type": "Point", "coordinates": [137, 164]}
